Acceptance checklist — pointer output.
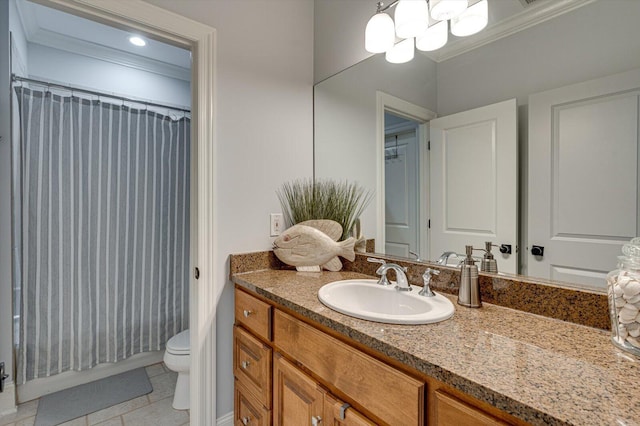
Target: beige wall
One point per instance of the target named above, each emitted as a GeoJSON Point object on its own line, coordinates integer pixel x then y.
{"type": "Point", "coordinates": [265, 129]}
{"type": "Point", "coordinates": [339, 34]}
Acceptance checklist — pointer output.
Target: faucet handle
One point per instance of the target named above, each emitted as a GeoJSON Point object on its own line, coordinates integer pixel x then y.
{"type": "Point", "coordinates": [429, 272]}
{"type": "Point", "coordinates": [426, 278]}
{"type": "Point", "coordinates": [376, 260]}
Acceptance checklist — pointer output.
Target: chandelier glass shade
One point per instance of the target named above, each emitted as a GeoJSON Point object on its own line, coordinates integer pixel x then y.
{"type": "Point", "coordinates": [380, 34]}
{"type": "Point", "coordinates": [422, 25]}
{"type": "Point", "coordinates": [442, 10]}
{"type": "Point", "coordinates": [434, 38]}
{"type": "Point", "coordinates": [472, 20]}
{"type": "Point", "coordinates": [411, 18]}
{"type": "Point", "coordinates": [402, 52]}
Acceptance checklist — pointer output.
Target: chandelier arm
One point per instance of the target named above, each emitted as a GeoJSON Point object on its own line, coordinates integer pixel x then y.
{"type": "Point", "coordinates": [383, 8]}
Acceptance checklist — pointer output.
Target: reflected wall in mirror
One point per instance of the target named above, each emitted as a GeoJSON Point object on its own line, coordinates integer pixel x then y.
{"type": "Point", "coordinates": [577, 143]}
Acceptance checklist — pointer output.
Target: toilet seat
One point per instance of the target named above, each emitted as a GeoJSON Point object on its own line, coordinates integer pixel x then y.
{"type": "Point", "coordinates": [180, 344]}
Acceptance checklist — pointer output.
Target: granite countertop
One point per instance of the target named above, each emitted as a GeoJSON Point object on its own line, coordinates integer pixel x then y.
{"type": "Point", "coordinates": [544, 371]}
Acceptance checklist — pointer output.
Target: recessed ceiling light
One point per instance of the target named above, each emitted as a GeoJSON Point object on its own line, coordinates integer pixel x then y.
{"type": "Point", "coordinates": [137, 41]}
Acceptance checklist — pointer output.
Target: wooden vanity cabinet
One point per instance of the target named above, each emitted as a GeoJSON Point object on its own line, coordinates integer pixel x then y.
{"type": "Point", "coordinates": [289, 372]}
{"type": "Point", "coordinates": [451, 411]}
{"type": "Point", "coordinates": [248, 410]}
{"type": "Point", "coordinates": [339, 413]}
{"type": "Point", "coordinates": [370, 383]}
{"type": "Point", "coordinates": [252, 365]}
{"type": "Point", "coordinates": [298, 398]}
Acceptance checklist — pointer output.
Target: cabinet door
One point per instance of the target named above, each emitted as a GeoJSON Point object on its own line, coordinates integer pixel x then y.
{"type": "Point", "coordinates": [336, 415]}
{"type": "Point", "coordinates": [451, 411]}
{"type": "Point", "coordinates": [298, 400]}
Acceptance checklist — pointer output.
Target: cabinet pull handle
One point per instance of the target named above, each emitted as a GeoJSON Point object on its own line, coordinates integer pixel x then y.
{"type": "Point", "coordinates": [247, 313]}
{"type": "Point", "coordinates": [245, 364]}
{"type": "Point", "coordinates": [246, 420]}
{"type": "Point", "coordinates": [343, 410]}
{"type": "Point", "coordinates": [315, 420]}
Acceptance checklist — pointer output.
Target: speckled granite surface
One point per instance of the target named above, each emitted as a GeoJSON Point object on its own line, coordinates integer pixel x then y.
{"type": "Point", "coordinates": [542, 370]}
{"type": "Point", "coordinates": [536, 296]}
{"type": "Point", "coordinates": [543, 297]}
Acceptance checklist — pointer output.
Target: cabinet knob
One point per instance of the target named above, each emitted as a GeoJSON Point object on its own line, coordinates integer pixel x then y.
{"type": "Point", "coordinates": [245, 364]}
{"type": "Point", "coordinates": [245, 420]}
{"type": "Point", "coordinates": [247, 313]}
{"type": "Point", "coordinates": [315, 420]}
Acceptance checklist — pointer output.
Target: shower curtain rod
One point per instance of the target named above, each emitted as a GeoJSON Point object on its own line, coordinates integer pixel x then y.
{"type": "Point", "coordinates": [94, 93]}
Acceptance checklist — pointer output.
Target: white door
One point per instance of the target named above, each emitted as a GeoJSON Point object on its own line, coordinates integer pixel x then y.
{"type": "Point", "coordinates": [584, 181]}
{"type": "Point", "coordinates": [401, 193]}
{"type": "Point", "coordinates": [474, 182]}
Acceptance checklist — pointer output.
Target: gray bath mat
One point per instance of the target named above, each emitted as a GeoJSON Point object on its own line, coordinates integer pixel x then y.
{"type": "Point", "coordinates": [81, 400]}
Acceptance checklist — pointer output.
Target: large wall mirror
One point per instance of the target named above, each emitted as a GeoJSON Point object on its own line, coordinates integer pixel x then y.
{"type": "Point", "coordinates": [568, 184]}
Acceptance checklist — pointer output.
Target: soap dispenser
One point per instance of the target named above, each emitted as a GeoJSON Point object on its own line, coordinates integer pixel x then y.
{"type": "Point", "coordinates": [489, 263]}
{"type": "Point", "coordinates": [469, 293]}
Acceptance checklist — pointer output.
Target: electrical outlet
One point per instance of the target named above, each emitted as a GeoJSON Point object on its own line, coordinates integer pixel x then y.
{"type": "Point", "coordinates": [277, 223]}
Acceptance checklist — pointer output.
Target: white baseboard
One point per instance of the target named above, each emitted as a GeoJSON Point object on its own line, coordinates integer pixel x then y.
{"type": "Point", "coordinates": [43, 386]}
{"type": "Point", "coordinates": [226, 420]}
{"type": "Point", "coordinates": [8, 399]}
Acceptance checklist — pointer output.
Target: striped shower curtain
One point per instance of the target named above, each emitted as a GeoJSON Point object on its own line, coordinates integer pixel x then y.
{"type": "Point", "coordinates": [103, 232]}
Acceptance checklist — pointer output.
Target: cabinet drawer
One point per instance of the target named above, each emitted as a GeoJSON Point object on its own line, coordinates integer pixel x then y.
{"type": "Point", "coordinates": [254, 314]}
{"type": "Point", "coordinates": [450, 411]}
{"type": "Point", "coordinates": [248, 411]}
{"type": "Point", "coordinates": [387, 393]}
{"type": "Point", "coordinates": [252, 365]}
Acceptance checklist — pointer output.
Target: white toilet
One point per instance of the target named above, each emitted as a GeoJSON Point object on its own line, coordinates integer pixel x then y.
{"type": "Point", "coordinates": [177, 357]}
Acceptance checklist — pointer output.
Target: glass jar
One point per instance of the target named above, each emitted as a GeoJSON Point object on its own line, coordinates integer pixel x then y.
{"type": "Point", "coordinates": [623, 288]}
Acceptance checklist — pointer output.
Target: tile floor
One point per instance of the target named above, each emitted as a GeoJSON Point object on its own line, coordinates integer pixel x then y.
{"type": "Point", "coordinates": [153, 409]}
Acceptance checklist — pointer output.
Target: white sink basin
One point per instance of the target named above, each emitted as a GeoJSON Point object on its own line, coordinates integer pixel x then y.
{"type": "Point", "coordinates": [368, 300]}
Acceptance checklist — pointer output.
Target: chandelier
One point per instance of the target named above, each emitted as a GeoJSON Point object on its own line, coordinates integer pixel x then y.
{"type": "Point", "coordinates": [422, 25]}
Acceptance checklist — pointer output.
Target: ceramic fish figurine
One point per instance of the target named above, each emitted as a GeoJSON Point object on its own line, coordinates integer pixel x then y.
{"type": "Point", "coordinates": [313, 244]}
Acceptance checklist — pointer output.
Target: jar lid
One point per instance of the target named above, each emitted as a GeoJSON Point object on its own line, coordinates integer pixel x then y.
{"type": "Point", "coordinates": [632, 250]}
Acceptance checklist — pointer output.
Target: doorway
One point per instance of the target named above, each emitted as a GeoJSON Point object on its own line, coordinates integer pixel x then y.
{"type": "Point", "coordinates": [403, 167]}
{"type": "Point", "coordinates": [163, 25]}
{"type": "Point", "coordinates": [402, 186]}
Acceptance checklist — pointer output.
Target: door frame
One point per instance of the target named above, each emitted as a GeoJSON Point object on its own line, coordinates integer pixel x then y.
{"type": "Point", "coordinates": [200, 39]}
{"type": "Point", "coordinates": [404, 109]}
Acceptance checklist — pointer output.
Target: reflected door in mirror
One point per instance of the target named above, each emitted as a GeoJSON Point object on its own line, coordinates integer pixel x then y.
{"type": "Point", "coordinates": [584, 180]}
{"type": "Point", "coordinates": [474, 184]}
{"type": "Point", "coordinates": [401, 193]}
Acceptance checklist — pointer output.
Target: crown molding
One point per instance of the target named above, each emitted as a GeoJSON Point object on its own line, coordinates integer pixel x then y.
{"type": "Point", "coordinates": [108, 54]}
{"type": "Point", "coordinates": [37, 35]}
{"type": "Point", "coordinates": [528, 18]}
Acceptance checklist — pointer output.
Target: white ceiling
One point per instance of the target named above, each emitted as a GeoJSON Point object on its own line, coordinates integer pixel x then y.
{"type": "Point", "coordinates": [64, 31]}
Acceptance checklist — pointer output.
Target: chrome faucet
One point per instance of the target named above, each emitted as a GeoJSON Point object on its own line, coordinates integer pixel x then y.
{"type": "Point", "coordinates": [444, 259]}
{"type": "Point", "coordinates": [401, 278]}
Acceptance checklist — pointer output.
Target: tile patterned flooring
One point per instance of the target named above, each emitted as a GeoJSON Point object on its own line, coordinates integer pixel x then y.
{"type": "Point", "coordinates": [153, 409]}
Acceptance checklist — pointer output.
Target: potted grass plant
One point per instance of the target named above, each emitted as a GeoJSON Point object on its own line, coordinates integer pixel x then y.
{"type": "Point", "coordinates": [308, 199]}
